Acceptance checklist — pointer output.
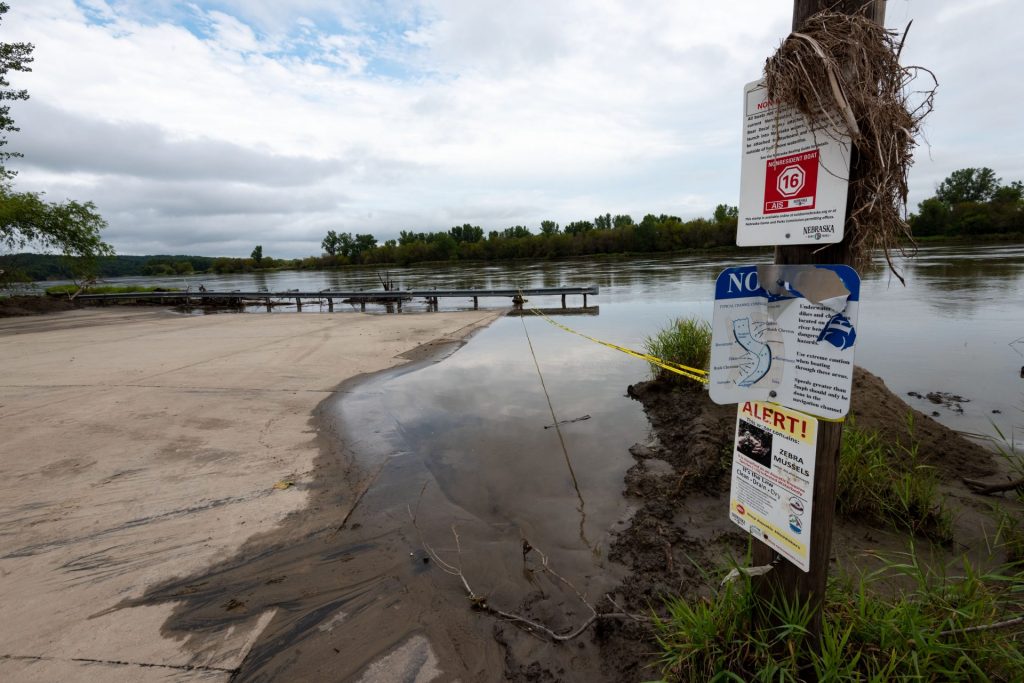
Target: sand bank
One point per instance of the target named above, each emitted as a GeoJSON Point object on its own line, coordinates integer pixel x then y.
{"type": "Point", "coordinates": [137, 446]}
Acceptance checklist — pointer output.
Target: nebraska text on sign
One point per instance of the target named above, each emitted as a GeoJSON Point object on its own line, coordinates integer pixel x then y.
{"type": "Point", "coordinates": [785, 334]}
{"type": "Point", "coordinates": [773, 478]}
{"type": "Point", "coordinates": [793, 179]}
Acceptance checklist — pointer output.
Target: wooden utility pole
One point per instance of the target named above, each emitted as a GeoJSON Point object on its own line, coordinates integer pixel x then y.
{"type": "Point", "coordinates": [787, 579]}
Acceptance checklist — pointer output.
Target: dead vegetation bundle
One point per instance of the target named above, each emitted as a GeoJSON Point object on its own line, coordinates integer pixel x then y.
{"type": "Point", "coordinates": [843, 73]}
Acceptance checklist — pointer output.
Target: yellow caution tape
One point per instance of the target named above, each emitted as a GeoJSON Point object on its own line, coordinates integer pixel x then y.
{"type": "Point", "coordinates": [696, 374]}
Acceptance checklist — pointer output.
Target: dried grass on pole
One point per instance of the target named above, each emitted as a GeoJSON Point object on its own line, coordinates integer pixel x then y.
{"type": "Point", "coordinates": [843, 72]}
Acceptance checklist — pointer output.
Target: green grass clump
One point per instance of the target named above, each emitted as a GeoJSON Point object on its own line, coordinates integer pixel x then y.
{"type": "Point", "coordinates": [686, 341]}
{"type": "Point", "coordinates": [1009, 533]}
{"type": "Point", "coordinates": [107, 289]}
{"type": "Point", "coordinates": [887, 484]}
{"type": "Point", "coordinates": [870, 631]}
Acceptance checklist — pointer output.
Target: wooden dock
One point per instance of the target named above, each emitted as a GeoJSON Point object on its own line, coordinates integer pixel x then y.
{"type": "Point", "coordinates": [393, 298]}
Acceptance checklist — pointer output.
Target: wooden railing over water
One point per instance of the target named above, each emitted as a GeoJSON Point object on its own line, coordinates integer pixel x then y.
{"type": "Point", "coordinates": [386, 297]}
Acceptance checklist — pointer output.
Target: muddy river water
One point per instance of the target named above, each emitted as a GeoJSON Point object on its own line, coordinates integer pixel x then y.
{"type": "Point", "coordinates": [455, 458]}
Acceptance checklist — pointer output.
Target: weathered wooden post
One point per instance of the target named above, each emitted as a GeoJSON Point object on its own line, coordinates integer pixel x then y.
{"type": "Point", "coordinates": [330, 304]}
{"type": "Point", "coordinates": [787, 580]}
{"type": "Point", "coordinates": [269, 307]}
{"type": "Point", "coordinates": [298, 303]}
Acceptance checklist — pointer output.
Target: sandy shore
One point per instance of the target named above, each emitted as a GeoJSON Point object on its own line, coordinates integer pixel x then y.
{"type": "Point", "coordinates": [138, 446]}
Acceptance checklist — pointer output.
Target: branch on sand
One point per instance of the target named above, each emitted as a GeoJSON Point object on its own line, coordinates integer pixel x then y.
{"type": "Point", "coordinates": [481, 603]}
{"type": "Point", "coordinates": [986, 489]}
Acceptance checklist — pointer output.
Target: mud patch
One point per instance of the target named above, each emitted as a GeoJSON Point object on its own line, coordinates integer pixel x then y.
{"type": "Point", "coordinates": [945, 399]}
{"type": "Point", "coordinates": [15, 306]}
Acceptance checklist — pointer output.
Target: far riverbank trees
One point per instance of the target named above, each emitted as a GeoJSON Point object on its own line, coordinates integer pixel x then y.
{"type": "Point", "coordinates": [971, 202]}
{"type": "Point", "coordinates": [605, 234]}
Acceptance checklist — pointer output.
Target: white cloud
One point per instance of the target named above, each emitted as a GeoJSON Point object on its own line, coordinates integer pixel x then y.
{"type": "Point", "coordinates": [392, 115]}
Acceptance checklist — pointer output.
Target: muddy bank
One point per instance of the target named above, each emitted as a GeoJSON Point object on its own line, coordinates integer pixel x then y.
{"type": "Point", "coordinates": [681, 482]}
{"type": "Point", "coordinates": [12, 306]}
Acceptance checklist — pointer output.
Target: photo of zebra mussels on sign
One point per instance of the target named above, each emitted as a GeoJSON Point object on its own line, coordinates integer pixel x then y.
{"type": "Point", "coordinates": [773, 476]}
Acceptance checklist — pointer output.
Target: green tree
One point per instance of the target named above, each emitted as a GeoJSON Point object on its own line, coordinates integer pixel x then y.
{"type": "Point", "coordinates": [1009, 194]}
{"type": "Point", "coordinates": [330, 243]}
{"type": "Point", "coordinates": [26, 220]}
{"type": "Point", "coordinates": [257, 255]}
{"type": "Point", "coordinates": [467, 233]}
{"type": "Point", "coordinates": [73, 228]}
{"type": "Point", "coordinates": [346, 243]}
{"type": "Point", "coordinates": [578, 227]}
{"type": "Point", "coordinates": [622, 221]}
{"type": "Point", "coordinates": [724, 213]}
{"type": "Point", "coordinates": [933, 218]}
{"type": "Point", "coordinates": [971, 201]}
{"type": "Point", "coordinates": [13, 57]}
{"type": "Point", "coordinates": [516, 231]}
{"type": "Point", "coordinates": [361, 244]}
{"type": "Point", "coordinates": [408, 237]}
{"type": "Point", "coordinates": [968, 185]}
{"type": "Point", "coordinates": [548, 228]}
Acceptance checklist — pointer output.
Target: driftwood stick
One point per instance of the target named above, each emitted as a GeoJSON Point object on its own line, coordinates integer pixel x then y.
{"type": "Point", "coordinates": [986, 489]}
{"type": "Point", "coordinates": [480, 601]}
{"type": "Point", "coordinates": [985, 627]}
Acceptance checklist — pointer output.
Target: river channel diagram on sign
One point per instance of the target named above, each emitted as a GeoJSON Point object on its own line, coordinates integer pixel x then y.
{"type": "Point", "coordinates": [793, 178]}
{"type": "Point", "coordinates": [785, 334]}
{"type": "Point", "coordinates": [773, 478]}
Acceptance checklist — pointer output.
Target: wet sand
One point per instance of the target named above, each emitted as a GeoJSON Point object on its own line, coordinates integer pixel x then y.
{"type": "Point", "coordinates": [139, 447]}
{"type": "Point", "coordinates": [357, 597]}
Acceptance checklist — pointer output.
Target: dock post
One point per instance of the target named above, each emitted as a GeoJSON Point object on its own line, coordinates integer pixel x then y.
{"type": "Point", "coordinates": [399, 304]}
{"type": "Point", "coordinates": [584, 301]}
{"type": "Point", "coordinates": [268, 305]}
{"type": "Point", "coordinates": [476, 303]}
{"type": "Point", "coordinates": [563, 300]}
{"type": "Point", "coordinates": [298, 303]}
{"type": "Point", "coordinates": [330, 304]}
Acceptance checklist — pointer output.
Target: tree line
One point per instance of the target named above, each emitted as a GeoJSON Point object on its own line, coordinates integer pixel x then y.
{"type": "Point", "coordinates": [28, 267]}
{"type": "Point", "coordinates": [605, 234]}
{"type": "Point", "coordinates": [971, 202]}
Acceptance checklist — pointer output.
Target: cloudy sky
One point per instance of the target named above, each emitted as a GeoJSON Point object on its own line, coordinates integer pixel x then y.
{"type": "Point", "coordinates": [207, 127]}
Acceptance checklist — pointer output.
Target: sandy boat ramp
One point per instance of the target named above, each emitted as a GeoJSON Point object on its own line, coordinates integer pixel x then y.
{"type": "Point", "coordinates": [140, 445]}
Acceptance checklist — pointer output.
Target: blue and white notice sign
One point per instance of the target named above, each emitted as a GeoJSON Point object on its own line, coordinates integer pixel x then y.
{"type": "Point", "coordinates": [785, 334]}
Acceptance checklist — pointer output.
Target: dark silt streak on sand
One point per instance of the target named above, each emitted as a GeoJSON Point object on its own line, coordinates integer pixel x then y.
{"type": "Point", "coordinates": [354, 594]}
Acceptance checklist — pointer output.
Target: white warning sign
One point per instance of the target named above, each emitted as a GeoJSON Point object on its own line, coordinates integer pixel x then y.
{"type": "Point", "coordinates": [773, 478]}
{"type": "Point", "coordinates": [785, 334]}
{"type": "Point", "coordinates": [793, 179]}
